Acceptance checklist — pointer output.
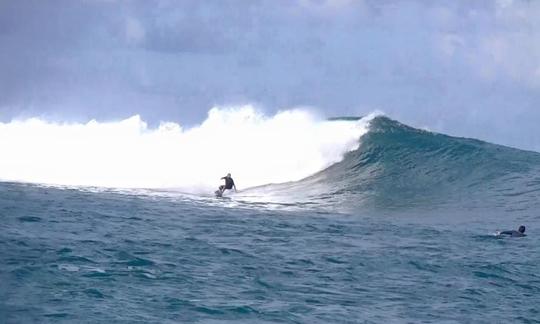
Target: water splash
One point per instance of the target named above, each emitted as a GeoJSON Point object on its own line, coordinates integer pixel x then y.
{"type": "Point", "coordinates": [256, 148]}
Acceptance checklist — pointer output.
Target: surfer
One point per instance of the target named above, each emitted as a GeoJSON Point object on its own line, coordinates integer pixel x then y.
{"type": "Point", "coordinates": [229, 183]}
{"type": "Point", "coordinates": [519, 233]}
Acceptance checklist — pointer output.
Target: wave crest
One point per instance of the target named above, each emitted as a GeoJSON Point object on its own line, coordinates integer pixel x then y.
{"type": "Point", "coordinates": [256, 148]}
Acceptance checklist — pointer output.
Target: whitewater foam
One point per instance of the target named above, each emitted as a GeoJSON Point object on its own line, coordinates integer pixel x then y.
{"type": "Point", "coordinates": [257, 149]}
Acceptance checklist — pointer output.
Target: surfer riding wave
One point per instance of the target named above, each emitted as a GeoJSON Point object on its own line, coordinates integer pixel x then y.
{"type": "Point", "coordinates": [229, 184]}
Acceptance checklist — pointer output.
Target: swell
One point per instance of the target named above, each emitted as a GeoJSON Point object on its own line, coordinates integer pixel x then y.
{"type": "Point", "coordinates": [397, 166]}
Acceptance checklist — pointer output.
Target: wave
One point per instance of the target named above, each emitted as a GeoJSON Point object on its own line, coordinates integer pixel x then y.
{"type": "Point", "coordinates": [254, 147]}
{"type": "Point", "coordinates": [294, 158]}
{"type": "Point", "coordinates": [397, 166]}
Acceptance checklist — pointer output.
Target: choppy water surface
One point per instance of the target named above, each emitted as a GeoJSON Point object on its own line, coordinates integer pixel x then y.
{"type": "Point", "coordinates": [76, 256]}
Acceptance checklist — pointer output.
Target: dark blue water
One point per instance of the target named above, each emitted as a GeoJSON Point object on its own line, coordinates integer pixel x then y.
{"type": "Point", "coordinates": [402, 230]}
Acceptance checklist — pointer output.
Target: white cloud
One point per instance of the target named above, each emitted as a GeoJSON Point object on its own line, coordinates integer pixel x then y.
{"type": "Point", "coordinates": [332, 7]}
{"type": "Point", "coordinates": [498, 43]}
{"type": "Point", "coordinates": [135, 32]}
{"type": "Point", "coordinates": [449, 44]}
{"type": "Point", "coordinates": [502, 4]}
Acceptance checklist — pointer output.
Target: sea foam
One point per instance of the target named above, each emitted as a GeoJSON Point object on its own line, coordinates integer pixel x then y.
{"type": "Point", "coordinates": [256, 148]}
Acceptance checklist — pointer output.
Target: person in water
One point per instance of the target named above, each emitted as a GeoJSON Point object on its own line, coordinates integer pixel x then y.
{"type": "Point", "coordinates": [519, 233]}
{"type": "Point", "coordinates": [229, 183]}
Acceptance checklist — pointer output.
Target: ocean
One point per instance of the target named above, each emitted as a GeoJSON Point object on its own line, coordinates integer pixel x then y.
{"type": "Point", "coordinates": [396, 226]}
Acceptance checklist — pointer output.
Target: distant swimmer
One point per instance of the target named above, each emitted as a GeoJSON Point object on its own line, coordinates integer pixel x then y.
{"type": "Point", "coordinates": [519, 233]}
{"type": "Point", "coordinates": [229, 184]}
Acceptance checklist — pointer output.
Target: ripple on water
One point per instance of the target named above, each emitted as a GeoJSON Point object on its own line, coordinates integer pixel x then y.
{"type": "Point", "coordinates": [133, 261]}
{"type": "Point", "coordinates": [64, 251]}
{"type": "Point", "coordinates": [208, 310]}
{"type": "Point", "coordinates": [68, 267]}
{"type": "Point", "coordinates": [75, 259]}
{"type": "Point", "coordinates": [92, 292]}
{"type": "Point", "coordinates": [139, 262]}
{"type": "Point", "coordinates": [29, 219]}
{"type": "Point", "coordinates": [56, 315]}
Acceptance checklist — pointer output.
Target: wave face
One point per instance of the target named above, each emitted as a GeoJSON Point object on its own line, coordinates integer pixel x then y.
{"type": "Point", "coordinates": [257, 149]}
{"type": "Point", "coordinates": [396, 166]}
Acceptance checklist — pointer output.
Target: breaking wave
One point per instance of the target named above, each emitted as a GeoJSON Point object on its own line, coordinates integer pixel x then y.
{"type": "Point", "coordinates": [256, 148]}
{"type": "Point", "coordinates": [397, 166]}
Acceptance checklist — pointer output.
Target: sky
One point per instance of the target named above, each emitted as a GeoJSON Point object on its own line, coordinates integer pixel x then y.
{"type": "Point", "coordinates": [461, 67]}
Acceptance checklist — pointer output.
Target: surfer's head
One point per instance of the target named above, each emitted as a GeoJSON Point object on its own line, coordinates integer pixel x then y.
{"type": "Point", "coordinates": [521, 229]}
{"type": "Point", "coordinates": [228, 175]}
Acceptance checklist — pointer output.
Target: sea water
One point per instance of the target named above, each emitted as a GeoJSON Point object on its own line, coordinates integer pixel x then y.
{"type": "Point", "coordinates": [400, 230]}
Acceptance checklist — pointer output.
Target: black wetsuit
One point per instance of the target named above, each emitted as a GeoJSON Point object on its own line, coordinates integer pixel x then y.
{"type": "Point", "coordinates": [229, 182]}
{"type": "Point", "coordinates": [513, 233]}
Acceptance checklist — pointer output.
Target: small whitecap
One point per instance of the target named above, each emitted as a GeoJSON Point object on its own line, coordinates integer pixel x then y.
{"type": "Point", "coordinates": [94, 269]}
{"type": "Point", "coordinates": [68, 267]}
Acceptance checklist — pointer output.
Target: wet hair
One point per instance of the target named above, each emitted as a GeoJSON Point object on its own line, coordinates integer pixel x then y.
{"type": "Point", "coordinates": [521, 229]}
